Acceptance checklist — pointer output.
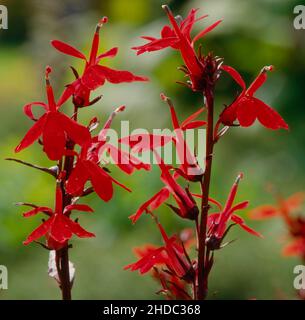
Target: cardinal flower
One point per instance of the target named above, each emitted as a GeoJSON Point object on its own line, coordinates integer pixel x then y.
{"type": "Point", "coordinates": [59, 227]}
{"type": "Point", "coordinates": [87, 165]}
{"type": "Point", "coordinates": [218, 222]}
{"type": "Point", "coordinates": [187, 207]}
{"type": "Point", "coordinates": [189, 168]}
{"type": "Point", "coordinates": [287, 209]}
{"type": "Point", "coordinates": [94, 75]}
{"type": "Point", "coordinates": [170, 255]}
{"type": "Point", "coordinates": [54, 127]}
{"type": "Point", "coordinates": [247, 108]}
{"type": "Point", "coordinates": [178, 36]}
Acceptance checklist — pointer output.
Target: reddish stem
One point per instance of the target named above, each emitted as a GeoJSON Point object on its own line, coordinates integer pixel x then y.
{"type": "Point", "coordinates": [202, 274]}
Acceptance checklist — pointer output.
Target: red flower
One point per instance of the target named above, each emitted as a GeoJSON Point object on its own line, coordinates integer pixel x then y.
{"type": "Point", "coordinates": [179, 37]}
{"type": "Point", "coordinates": [217, 222]}
{"type": "Point", "coordinates": [59, 227]}
{"type": "Point", "coordinates": [190, 169]}
{"type": "Point", "coordinates": [170, 255]}
{"type": "Point", "coordinates": [87, 165]}
{"type": "Point", "coordinates": [172, 287]}
{"type": "Point", "coordinates": [287, 209]}
{"type": "Point", "coordinates": [246, 108]}
{"type": "Point", "coordinates": [54, 127]}
{"type": "Point", "coordinates": [94, 75]}
{"type": "Point", "coordinates": [187, 207]}
{"type": "Point", "coordinates": [295, 248]}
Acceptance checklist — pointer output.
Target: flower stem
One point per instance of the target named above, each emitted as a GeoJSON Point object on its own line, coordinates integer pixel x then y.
{"type": "Point", "coordinates": [202, 280]}
{"type": "Point", "coordinates": [62, 255]}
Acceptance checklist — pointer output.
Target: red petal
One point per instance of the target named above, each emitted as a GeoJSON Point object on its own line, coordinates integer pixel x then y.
{"type": "Point", "coordinates": [295, 248]}
{"type": "Point", "coordinates": [143, 142]}
{"type": "Point", "coordinates": [268, 117]}
{"type": "Point", "coordinates": [77, 229]}
{"type": "Point", "coordinates": [117, 76]}
{"type": "Point", "coordinates": [92, 79]}
{"type": "Point", "coordinates": [264, 212]}
{"type": "Point", "coordinates": [229, 114]}
{"type": "Point", "coordinates": [152, 204]}
{"type": "Point", "coordinates": [54, 139]}
{"type": "Point", "coordinates": [153, 258]}
{"type": "Point", "coordinates": [60, 229]}
{"type": "Point", "coordinates": [240, 206]}
{"type": "Point", "coordinates": [68, 92]}
{"type": "Point", "coordinates": [94, 46]}
{"type": "Point", "coordinates": [157, 44]}
{"type": "Point", "coordinates": [218, 204]}
{"type": "Point", "coordinates": [34, 211]}
{"type": "Point", "coordinates": [39, 232]}
{"type": "Point", "coordinates": [108, 54]}
{"type": "Point", "coordinates": [205, 31]}
{"type": "Point", "coordinates": [295, 201]}
{"type": "Point", "coordinates": [120, 158]}
{"type": "Point", "coordinates": [213, 219]}
{"type": "Point", "coordinates": [78, 207]}
{"type": "Point", "coordinates": [187, 24]}
{"type": "Point", "coordinates": [235, 75]}
{"type": "Point", "coordinates": [77, 132]}
{"type": "Point", "coordinates": [247, 111]}
{"type": "Point", "coordinates": [101, 182]}
{"type": "Point", "coordinates": [192, 117]}
{"type": "Point", "coordinates": [27, 109]}
{"type": "Point", "coordinates": [67, 49]}
{"type": "Point", "coordinates": [259, 81]}
{"type": "Point", "coordinates": [32, 135]}
{"type": "Point", "coordinates": [77, 179]}
{"type": "Point", "coordinates": [193, 125]}
{"type": "Point", "coordinates": [238, 220]}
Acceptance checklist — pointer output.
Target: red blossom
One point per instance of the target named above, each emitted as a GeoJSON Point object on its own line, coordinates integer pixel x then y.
{"type": "Point", "coordinates": [170, 255]}
{"type": "Point", "coordinates": [94, 75]}
{"type": "Point", "coordinates": [246, 108]}
{"type": "Point", "coordinates": [59, 227]}
{"type": "Point", "coordinates": [87, 165]}
{"type": "Point", "coordinates": [187, 207]}
{"type": "Point", "coordinates": [54, 127]}
{"type": "Point", "coordinates": [287, 209]}
{"type": "Point", "coordinates": [218, 222]}
{"type": "Point", "coordinates": [189, 168]}
{"type": "Point", "coordinates": [178, 36]}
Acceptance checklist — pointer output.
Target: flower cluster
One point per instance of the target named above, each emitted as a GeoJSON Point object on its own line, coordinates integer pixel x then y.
{"type": "Point", "coordinates": [183, 263]}
{"type": "Point", "coordinates": [77, 151]}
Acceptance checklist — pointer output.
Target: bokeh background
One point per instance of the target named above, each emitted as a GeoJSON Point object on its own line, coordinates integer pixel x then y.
{"type": "Point", "coordinates": [253, 34]}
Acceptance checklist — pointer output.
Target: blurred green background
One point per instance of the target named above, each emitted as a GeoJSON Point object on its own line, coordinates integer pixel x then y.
{"type": "Point", "coordinates": [253, 34]}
